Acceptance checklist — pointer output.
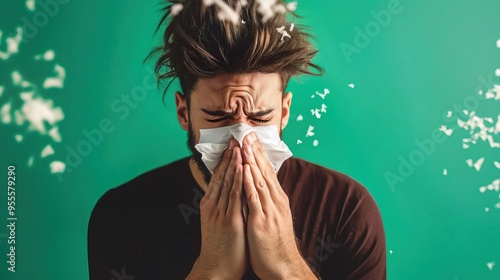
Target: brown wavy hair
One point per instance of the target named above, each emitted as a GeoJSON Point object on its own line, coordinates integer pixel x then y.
{"type": "Point", "coordinates": [197, 44]}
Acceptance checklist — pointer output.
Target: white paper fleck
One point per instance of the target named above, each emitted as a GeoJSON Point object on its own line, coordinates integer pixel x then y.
{"type": "Point", "coordinates": [58, 81]}
{"type": "Point", "coordinates": [299, 141]}
{"type": "Point", "coordinates": [390, 252]}
{"type": "Point", "coordinates": [1, 90]}
{"type": "Point", "coordinates": [351, 85]}
{"type": "Point", "coordinates": [490, 265]}
{"type": "Point", "coordinates": [30, 161]}
{"type": "Point", "coordinates": [445, 172]}
{"type": "Point", "coordinates": [486, 209]}
{"type": "Point", "coordinates": [47, 151]}
{"type": "Point", "coordinates": [5, 111]}
{"type": "Point", "coordinates": [18, 137]}
{"type": "Point", "coordinates": [445, 130]}
{"type": "Point", "coordinates": [300, 118]}
{"type": "Point", "coordinates": [497, 72]}
{"type": "Point", "coordinates": [292, 6]}
{"type": "Point", "coordinates": [449, 114]}
{"type": "Point", "coordinates": [176, 9]}
{"type": "Point", "coordinates": [54, 134]}
{"type": "Point", "coordinates": [497, 164]}
{"type": "Point", "coordinates": [47, 56]}
{"type": "Point", "coordinates": [283, 33]}
{"type": "Point", "coordinates": [497, 205]}
{"type": "Point", "coordinates": [498, 43]}
{"type": "Point", "coordinates": [292, 26]}
{"type": "Point", "coordinates": [315, 143]}
{"type": "Point", "coordinates": [310, 131]}
{"type": "Point", "coordinates": [12, 44]}
{"type": "Point", "coordinates": [57, 167]}
{"type": "Point", "coordinates": [477, 165]}
{"type": "Point", "coordinates": [323, 95]}
{"type": "Point", "coordinates": [30, 4]}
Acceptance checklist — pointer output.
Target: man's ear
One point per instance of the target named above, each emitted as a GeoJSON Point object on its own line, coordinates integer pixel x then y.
{"type": "Point", "coordinates": [285, 111]}
{"type": "Point", "coordinates": [182, 110]}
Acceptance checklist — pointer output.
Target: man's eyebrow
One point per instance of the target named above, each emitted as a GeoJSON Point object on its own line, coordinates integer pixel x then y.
{"type": "Point", "coordinates": [222, 113]}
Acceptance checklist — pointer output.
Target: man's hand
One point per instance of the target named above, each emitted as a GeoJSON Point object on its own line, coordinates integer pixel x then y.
{"type": "Point", "coordinates": [273, 251]}
{"type": "Point", "coordinates": [223, 243]}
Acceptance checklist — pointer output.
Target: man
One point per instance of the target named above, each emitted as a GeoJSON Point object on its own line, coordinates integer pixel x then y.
{"type": "Point", "coordinates": [180, 221]}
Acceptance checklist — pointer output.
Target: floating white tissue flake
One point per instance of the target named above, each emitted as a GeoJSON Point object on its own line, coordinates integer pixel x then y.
{"type": "Point", "coordinates": [5, 111]}
{"type": "Point", "coordinates": [497, 205]}
{"type": "Point", "coordinates": [242, 21]}
{"type": "Point", "coordinates": [58, 81]}
{"type": "Point", "coordinates": [497, 72]}
{"type": "Point", "coordinates": [493, 93]}
{"type": "Point", "coordinates": [477, 165]}
{"type": "Point", "coordinates": [315, 112]}
{"type": "Point", "coordinates": [299, 141]}
{"type": "Point", "coordinates": [497, 164]}
{"type": "Point", "coordinates": [312, 96]}
{"type": "Point", "coordinates": [1, 90]}
{"type": "Point", "coordinates": [225, 12]}
{"type": "Point", "coordinates": [498, 43]}
{"type": "Point", "coordinates": [486, 209]}
{"type": "Point", "coordinates": [300, 118]}
{"type": "Point", "coordinates": [37, 111]}
{"type": "Point", "coordinates": [323, 108]}
{"type": "Point", "coordinates": [19, 117]}
{"type": "Point", "coordinates": [54, 134]}
{"type": "Point", "coordinates": [57, 167]}
{"type": "Point", "coordinates": [292, 26]}
{"type": "Point", "coordinates": [292, 6]}
{"type": "Point", "coordinates": [47, 56]}
{"type": "Point", "coordinates": [176, 9]}
{"type": "Point", "coordinates": [12, 44]}
{"type": "Point", "coordinates": [310, 131]}
{"type": "Point", "coordinates": [390, 252]}
{"type": "Point", "coordinates": [18, 80]}
{"type": "Point", "coordinates": [47, 151]}
{"type": "Point", "coordinates": [449, 114]}
{"type": "Point", "coordinates": [18, 137]}
{"type": "Point", "coordinates": [490, 265]}
{"type": "Point", "coordinates": [445, 172]}
{"type": "Point", "coordinates": [30, 161]}
{"type": "Point", "coordinates": [315, 143]}
{"type": "Point", "coordinates": [445, 130]}
{"type": "Point", "coordinates": [465, 111]}
{"type": "Point", "coordinates": [283, 33]}
{"type": "Point", "coordinates": [323, 95]}
{"type": "Point", "coordinates": [478, 129]}
{"type": "Point", "coordinates": [30, 4]}
{"type": "Point", "coordinates": [351, 85]}
{"type": "Point", "coordinates": [494, 186]}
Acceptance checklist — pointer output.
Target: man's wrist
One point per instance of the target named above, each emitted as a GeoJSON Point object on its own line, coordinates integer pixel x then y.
{"type": "Point", "coordinates": [203, 271]}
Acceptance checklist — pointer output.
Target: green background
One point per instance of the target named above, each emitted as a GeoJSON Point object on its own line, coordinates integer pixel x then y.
{"type": "Point", "coordinates": [428, 58]}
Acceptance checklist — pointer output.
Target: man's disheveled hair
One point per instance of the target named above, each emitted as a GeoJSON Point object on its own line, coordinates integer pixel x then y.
{"type": "Point", "coordinates": [197, 44]}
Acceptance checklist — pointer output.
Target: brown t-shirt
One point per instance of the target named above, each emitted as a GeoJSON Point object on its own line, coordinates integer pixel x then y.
{"type": "Point", "coordinates": [149, 227]}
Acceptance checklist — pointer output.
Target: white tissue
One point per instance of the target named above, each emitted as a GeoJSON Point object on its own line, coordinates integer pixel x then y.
{"type": "Point", "coordinates": [214, 141]}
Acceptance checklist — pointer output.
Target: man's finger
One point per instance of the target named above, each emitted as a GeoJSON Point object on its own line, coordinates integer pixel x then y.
{"type": "Point", "coordinates": [227, 182]}
{"type": "Point", "coordinates": [253, 200]}
{"type": "Point", "coordinates": [215, 185]}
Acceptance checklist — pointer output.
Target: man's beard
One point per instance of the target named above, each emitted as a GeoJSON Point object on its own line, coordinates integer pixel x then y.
{"type": "Point", "coordinates": [196, 155]}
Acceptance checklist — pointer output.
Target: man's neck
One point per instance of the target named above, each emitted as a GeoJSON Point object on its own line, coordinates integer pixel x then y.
{"type": "Point", "coordinates": [198, 176]}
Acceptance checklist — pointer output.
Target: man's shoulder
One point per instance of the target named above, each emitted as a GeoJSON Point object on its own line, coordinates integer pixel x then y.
{"type": "Point", "coordinates": [306, 171]}
{"type": "Point", "coordinates": [145, 188]}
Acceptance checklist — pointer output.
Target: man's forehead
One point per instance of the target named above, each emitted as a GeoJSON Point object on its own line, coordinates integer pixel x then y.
{"type": "Point", "coordinates": [248, 81]}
